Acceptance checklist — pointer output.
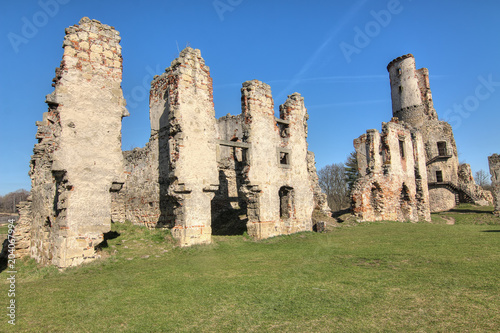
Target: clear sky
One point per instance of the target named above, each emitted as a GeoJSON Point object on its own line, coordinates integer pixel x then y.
{"type": "Point", "coordinates": [334, 53]}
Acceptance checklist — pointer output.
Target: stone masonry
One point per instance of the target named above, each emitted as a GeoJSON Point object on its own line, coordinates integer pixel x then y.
{"type": "Point", "coordinates": [393, 178]}
{"type": "Point", "coordinates": [77, 161]}
{"type": "Point", "coordinates": [469, 191]}
{"type": "Point", "coordinates": [197, 175]}
{"type": "Point", "coordinates": [412, 103]}
{"type": "Point", "coordinates": [494, 163]}
{"type": "Point", "coordinates": [201, 176]}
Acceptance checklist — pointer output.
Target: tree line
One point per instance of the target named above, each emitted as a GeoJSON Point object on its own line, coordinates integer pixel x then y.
{"type": "Point", "coordinates": [9, 201]}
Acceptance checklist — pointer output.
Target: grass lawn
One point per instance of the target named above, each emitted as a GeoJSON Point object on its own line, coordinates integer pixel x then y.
{"type": "Point", "coordinates": [390, 277]}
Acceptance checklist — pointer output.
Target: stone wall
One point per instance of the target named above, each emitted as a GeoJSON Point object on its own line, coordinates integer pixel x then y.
{"type": "Point", "coordinates": [78, 161]}
{"type": "Point", "coordinates": [469, 190]}
{"type": "Point", "coordinates": [193, 169]}
{"type": "Point", "coordinates": [22, 230]}
{"type": "Point", "coordinates": [202, 176]}
{"type": "Point", "coordinates": [276, 178]}
{"type": "Point", "coordinates": [320, 198]}
{"type": "Point", "coordinates": [494, 163]}
{"type": "Point", "coordinates": [393, 182]}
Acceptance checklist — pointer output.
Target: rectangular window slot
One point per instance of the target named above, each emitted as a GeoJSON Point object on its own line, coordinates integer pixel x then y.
{"type": "Point", "coordinates": [402, 148]}
{"type": "Point", "coordinates": [442, 151]}
{"type": "Point", "coordinates": [284, 158]}
{"type": "Point", "coordinates": [439, 176]}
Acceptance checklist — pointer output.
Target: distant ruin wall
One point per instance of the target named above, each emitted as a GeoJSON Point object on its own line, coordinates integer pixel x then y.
{"type": "Point", "coordinates": [494, 164]}
{"type": "Point", "coordinates": [22, 230]}
{"type": "Point", "coordinates": [469, 190]}
{"type": "Point", "coordinates": [320, 198]}
{"type": "Point", "coordinates": [393, 182]}
{"type": "Point", "coordinates": [78, 161]}
{"type": "Point", "coordinates": [139, 199]}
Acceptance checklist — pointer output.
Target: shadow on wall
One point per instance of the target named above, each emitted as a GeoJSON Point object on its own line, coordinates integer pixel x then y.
{"type": "Point", "coordinates": [229, 214]}
{"type": "Point", "coordinates": [168, 203]}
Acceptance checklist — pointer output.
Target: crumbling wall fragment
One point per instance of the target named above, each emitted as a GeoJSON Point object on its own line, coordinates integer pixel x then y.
{"type": "Point", "coordinates": [22, 230]}
{"type": "Point", "coordinates": [182, 112]}
{"type": "Point", "coordinates": [77, 161]}
{"type": "Point", "coordinates": [277, 185]}
{"type": "Point", "coordinates": [469, 190]}
{"type": "Point", "coordinates": [494, 164]}
{"type": "Point", "coordinates": [320, 198]}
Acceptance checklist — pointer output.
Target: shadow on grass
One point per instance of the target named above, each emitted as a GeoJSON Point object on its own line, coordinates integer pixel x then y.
{"type": "Point", "coordinates": [107, 236]}
{"type": "Point", "coordinates": [490, 231]}
{"type": "Point", "coordinates": [469, 211]}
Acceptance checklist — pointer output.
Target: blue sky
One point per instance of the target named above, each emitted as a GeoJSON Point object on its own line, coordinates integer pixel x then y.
{"type": "Point", "coordinates": [334, 53]}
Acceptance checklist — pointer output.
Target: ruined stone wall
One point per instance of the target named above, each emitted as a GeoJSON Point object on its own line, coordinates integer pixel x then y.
{"type": "Point", "coordinates": [22, 231]}
{"type": "Point", "coordinates": [229, 206]}
{"type": "Point", "coordinates": [182, 102]}
{"type": "Point", "coordinates": [469, 190]}
{"type": "Point", "coordinates": [320, 198]}
{"type": "Point", "coordinates": [78, 159]}
{"type": "Point", "coordinates": [393, 181]}
{"type": "Point", "coordinates": [494, 163]}
{"type": "Point", "coordinates": [199, 176]}
{"type": "Point", "coordinates": [442, 164]}
{"type": "Point", "coordinates": [277, 185]}
{"type": "Point", "coordinates": [139, 199]}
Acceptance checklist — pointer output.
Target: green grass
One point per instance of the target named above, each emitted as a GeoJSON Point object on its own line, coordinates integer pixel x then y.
{"type": "Point", "coordinates": [4, 229]}
{"type": "Point", "coordinates": [375, 277]}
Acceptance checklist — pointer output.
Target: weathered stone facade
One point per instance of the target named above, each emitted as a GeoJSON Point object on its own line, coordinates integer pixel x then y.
{"type": "Point", "coordinates": [412, 103]}
{"type": "Point", "coordinates": [413, 107]}
{"type": "Point", "coordinates": [198, 175]}
{"type": "Point", "coordinates": [77, 161]}
{"type": "Point", "coordinates": [494, 163]}
{"type": "Point", "coordinates": [393, 178]}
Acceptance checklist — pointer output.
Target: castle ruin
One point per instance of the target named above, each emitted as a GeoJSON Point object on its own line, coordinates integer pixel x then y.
{"type": "Point", "coordinates": [440, 182]}
{"type": "Point", "coordinates": [200, 176]}
{"type": "Point", "coordinates": [194, 174]}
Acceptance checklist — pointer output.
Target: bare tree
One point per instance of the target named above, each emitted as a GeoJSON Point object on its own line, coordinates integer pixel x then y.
{"type": "Point", "coordinates": [333, 181]}
{"type": "Point", "coordinates": [9, 201]}
{"type": "Point", "coordinates": [482, 179]}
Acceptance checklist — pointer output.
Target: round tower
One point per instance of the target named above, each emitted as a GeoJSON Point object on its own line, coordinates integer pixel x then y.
{"type": "Point", "coordinates": [407, 102]}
